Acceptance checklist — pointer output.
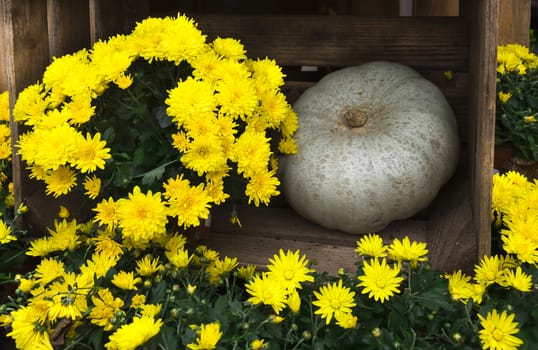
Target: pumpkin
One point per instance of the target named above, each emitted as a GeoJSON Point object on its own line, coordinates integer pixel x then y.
{"type": "Point", "coordinates": [376, 142]}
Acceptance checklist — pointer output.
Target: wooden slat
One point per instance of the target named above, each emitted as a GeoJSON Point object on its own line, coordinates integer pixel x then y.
{"type": "Point", "coordinates": [264, 230]}
{"type": "Point", "coordinates": [482, 107]}
{"type": "Point", "coordinates": [26, 54]}
{"type": "Point", "coordinates": [376, 7]}
{"type": "Point", "coordinates": [68, 25]}
{"type": "Point", "coordinates": [109, 18]}
{"type": "Point", "coordinates": [451, 229]}
{"type": "Point", "coordinates": [436, 7]}
{"type": "Point", "coordinates": [425, 43]}
{"type": "Point", "coordinates": [514, 22]}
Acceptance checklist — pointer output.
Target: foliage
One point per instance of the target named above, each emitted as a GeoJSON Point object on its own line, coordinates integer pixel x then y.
{"type": "Point", "coordinates": [517, 101]}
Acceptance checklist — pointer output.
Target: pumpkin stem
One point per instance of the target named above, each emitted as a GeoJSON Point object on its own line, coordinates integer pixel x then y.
{"type": "Point", "coordinates": [355, 117]}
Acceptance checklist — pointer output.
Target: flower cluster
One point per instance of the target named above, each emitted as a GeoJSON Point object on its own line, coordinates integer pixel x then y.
{"type": "Point", "coordinates": [161, 116]}
{"type": "Point", "coordinates": [517, 102]}
{"type": "Point", "coordinates": [91, 286]}
{"type": "Point", "coordinates": [506, 280]}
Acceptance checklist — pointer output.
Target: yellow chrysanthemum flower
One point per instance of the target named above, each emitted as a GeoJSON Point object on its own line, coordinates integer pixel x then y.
{"type": "Point", "coordinates": [125, 280]}
{"type": "Point", "coordinates": [220, 268]}
{"type": "Point", "coordinates": [229, 48]}
{"type": "Point", "coordinates": [60, 181]}
{"type": "Point", "coordinates": [489, 271]}
{"type": "Point", "coordinates": [258, 344]}
{"type": "Point", "coordinates": [105, 306]}
{"type": "Point", "coordinates": [147, 266]}
{"type": "Point", "coordinates": [141, 216]}
{"type": "Point", "coordinates": [498, 331]}
{"type": "Point", "coordinates": [68, 298]}
{"type": "Point", "coordinates": [64, 236]}
{"type": "Point", "coordinates": [48, 270]}
{"type": "Point", "coordinates": [204, 154]}
{"type": "Point", "coordinates": [267, 72]}
{"type": "Point", "coordinates": [379, 280]}
{"type": "Point", "coordinates": [251, 152]}
{"type": "Point", "coordinates": [92, 186]}
{"type": "Point", "coordinates": [207, 337]}
{"type": "Point", "coordinates": [405, 250]}
{"type": "Point", "coordinates": [265, 290]}
{"type": "Point", "coordinates": [191, 99]}
{"type": "Point", "coordinates": [346, 320]}
{"type": "Point", "coordinates": [334, 300]}
{"type": "Point", "coordinates": [524, 248]}
{"type": "Point", "coordinates": [6, 234]}
{"type": "Point", "coordinates": [459, 286]}
{"type": "Point", "coordinates": [180, 258]}
{"type": "Point", "coordinates": [518, 279]}
{"type": "Point", "coordinates": [371, 245]}
{"type": "Point", "coordinates": [132, 335]}
{"type": "Point", "coordinates": [290, 269]}
{"type": "Point", "coordinates": [27, 331]}
{"type": "Point", "coordinates": [262, 186]}
{"type": "Point", "coordinates": [90, 153]}
{"type": "Point", "coordinates": [189, 204]}
{"type": "Point", "coordinates": [4, 106]}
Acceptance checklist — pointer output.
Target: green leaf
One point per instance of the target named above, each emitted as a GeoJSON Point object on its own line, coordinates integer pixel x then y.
{"type": "Point", "coordinates": [154, 175]}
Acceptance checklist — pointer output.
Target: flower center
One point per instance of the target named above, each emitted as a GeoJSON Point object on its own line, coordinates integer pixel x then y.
{"type": "Point", "coordinates": [490, 275]}
{"type": "Point", "coordinates": [288, 274]}
{"type": "Point", "coordinates": [380, 283]}
{"type": "Point", "coordinates": [336, 304]}
{"type": "Point", "coordinates": [497, 334]}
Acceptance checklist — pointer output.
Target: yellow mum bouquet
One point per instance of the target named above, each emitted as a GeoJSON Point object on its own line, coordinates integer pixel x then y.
{"type": "Point", "coordinates": [155, 124]}
{"type": "Point", "coordinates": [517, 100]}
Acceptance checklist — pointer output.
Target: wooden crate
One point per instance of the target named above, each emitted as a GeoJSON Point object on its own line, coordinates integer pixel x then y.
{"type": "Point", "coordinates": [323, 34]}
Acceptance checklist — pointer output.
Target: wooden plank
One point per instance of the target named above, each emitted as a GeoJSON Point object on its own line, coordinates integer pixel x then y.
{"type": "Point", "coordinates": [436, 7]}
{"type": "Point", "coordinates": [451, 229]}
{"type": "Point", "coordinates": [376, 7]}
{"type": "Point", "coordinates": [482, 107]}
{"type": "Point", "coordinates": [108, 18]}
{"type": "Point", "coordinates": [26, 54]}
{"type": "Point", "coordinates": [514, 18]}
{"type": "Point", "coordinates": [264, 230]}
{"type": "Point", "coordinates": [3, 76]}
{"type": "Point", "coordinates": [424, 43]}
{"type": "Point", "coordinates": [68, 25]}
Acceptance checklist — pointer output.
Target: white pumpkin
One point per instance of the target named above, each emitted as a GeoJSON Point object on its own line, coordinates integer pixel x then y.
{"type": "Point", "coordinates": [375, 144]}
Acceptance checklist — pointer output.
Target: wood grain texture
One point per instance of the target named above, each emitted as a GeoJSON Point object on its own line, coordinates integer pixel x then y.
{"type": "Point", "coordinates": [482, 107]}
{"type": "Point", "coordinates": [26, 54]}
{"type": "Point", "coordinates": [68, 25]}
{"type": "Point", "coordinates": [436, 7]}
{"type": "Point", "coordinates": [265, 230]}
{"type": "Point", "coordinates": [514, 18]}
{"type": "Point", "coordinates": [422, 43]}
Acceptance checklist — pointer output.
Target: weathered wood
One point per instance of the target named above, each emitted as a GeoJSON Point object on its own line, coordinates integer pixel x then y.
{"type": "Point", "coordinates": [482, 107]}
{"type": "Point", "coordinates": [26, 54]}
{"type": "Point", "coordinates": [422, 43]}
{"type": "Point", "coordinates": [514, 17]}
{"type": "Point", "coordinates": [376, 8]}
{"type": "Point", "coordinates": [436, 7]}
{"type": "Point", "coordinates": [68, 25]}
{"type": "Point", "coordinates": [109, 18]}
{"type": "Point", "coordinates": [451, 229]}
{"type": "Point", "coordinates": [265, 230]}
